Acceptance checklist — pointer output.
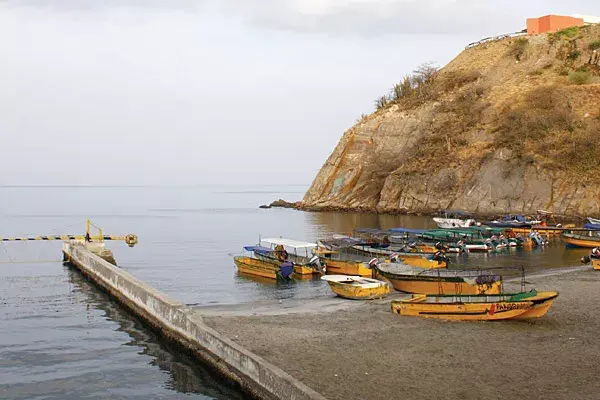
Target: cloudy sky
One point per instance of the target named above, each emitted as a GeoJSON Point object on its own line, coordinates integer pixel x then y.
{"type": "Point", "coordinates": [213, 91]}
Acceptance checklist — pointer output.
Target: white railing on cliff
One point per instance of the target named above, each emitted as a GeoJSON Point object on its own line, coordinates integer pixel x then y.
{"type": "Point", "coordinates": [496, 38]}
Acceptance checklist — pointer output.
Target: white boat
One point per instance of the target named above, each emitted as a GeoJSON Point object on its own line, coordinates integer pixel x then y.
{"type": "Point", "coordinates": [454, 219]}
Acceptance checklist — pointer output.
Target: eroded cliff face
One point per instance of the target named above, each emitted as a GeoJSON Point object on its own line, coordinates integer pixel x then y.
{"type": "Point", "coordinates": [504, 127]}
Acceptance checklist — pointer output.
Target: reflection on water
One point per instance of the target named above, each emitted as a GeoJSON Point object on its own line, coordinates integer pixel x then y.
{"type": "Point", "coordinates": [61, 338]}
{"type": "Point", "coordinates": [344, 223]}
{"type": "Point", "coordinates": [186, 374]}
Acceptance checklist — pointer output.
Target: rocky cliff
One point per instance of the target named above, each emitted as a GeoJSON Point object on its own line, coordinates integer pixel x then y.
{"type": "Point", "coordinates": [508, 126]}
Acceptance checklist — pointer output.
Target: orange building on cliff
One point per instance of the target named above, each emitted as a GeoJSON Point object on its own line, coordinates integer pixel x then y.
{"type": "Point", "coordinates": [551, 23]}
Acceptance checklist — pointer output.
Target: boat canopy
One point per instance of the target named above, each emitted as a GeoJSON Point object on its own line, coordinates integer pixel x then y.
{"type": "Point", "coordinates": [290, 243]}
{"type": "Point", "coordinates": [406, 230]}
{"type": "Point", "coordinates": [342, 242]}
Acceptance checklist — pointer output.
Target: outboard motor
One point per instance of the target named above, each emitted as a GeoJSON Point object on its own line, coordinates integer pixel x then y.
{"type": "Point", "coordinates": [373, 263]}
{"type": "Point", "coordinates": [315, 262]}
{"type": "Point", "coordinates": [462, 245]}
{"type": "Point", "coordinates": [441, 257]}
{"type": "Point", "coordinates": [439, 246]}
{"type": "Point", "coordinates": [489, 244]}
{"type": "Point", "coordinates": [394, 258]}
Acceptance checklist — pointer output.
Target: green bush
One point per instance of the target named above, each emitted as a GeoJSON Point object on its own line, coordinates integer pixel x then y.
{"type": "Point", "coordinates": [595, 45]}
{"type": "Point", "coordinates": [570, 32]}
{"type": "Point", "coordinates": [574, 55]}
{"type": "Point", "coordinates": [580, 77]}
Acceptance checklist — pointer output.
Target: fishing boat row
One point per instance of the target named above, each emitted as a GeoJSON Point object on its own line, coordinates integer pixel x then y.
{"type": "Point", "coordinates": [544, 222]}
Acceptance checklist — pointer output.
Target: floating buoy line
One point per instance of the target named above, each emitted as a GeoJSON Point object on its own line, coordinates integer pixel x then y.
{"type": "Point", "coordinates": [97, 237]}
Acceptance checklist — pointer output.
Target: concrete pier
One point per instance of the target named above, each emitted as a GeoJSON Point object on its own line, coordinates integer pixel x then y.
{"type": "Point", "coordinates": [179, 323]}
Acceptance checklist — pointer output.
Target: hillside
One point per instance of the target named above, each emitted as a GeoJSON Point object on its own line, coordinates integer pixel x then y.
{"type": "Point", "coordinates": [507, 126]}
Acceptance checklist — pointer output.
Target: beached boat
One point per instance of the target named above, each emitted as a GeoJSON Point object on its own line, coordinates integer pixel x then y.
{"type": "Point", "coordinates": [338, 264]}
{"type": "Point", "coordinates": [443, 281]}
{"type": "Point", "coordinates": [299, 253]}
{"type": "Point", "coordinates": [519, 306]}
{"type": "Point", "coordinates": [588, 239]}
{"type": "Point", "coordinates": [454, 219]}
{"type": "Point", "coordinates": [357, 287]}
{"type": "Point", "coordinates": [247, 264]}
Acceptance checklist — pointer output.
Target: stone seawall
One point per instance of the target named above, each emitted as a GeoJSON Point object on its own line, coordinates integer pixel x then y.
{"type": "Point", "coordinates": [180, 324]}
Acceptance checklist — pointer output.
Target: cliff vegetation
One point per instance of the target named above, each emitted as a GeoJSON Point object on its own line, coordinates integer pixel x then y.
{"type": "Point", "coordinates": [507, 126]}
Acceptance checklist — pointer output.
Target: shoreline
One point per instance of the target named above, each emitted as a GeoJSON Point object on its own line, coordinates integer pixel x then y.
{"type": "Point", "coordinates": [362, 350]}
{"type": "Point", "coordinates": [298, 206]}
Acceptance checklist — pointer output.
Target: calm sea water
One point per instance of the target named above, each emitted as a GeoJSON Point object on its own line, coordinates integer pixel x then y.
{"type": "Point", "coordinates": [60, 337]}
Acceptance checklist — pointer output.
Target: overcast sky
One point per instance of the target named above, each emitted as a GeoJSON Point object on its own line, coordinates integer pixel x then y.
{"type": "Point", "coordinates": [224, 91]}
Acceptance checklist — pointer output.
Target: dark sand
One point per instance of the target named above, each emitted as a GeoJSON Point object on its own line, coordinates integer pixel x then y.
{"type": "Point", "coordinates": [357, 350]}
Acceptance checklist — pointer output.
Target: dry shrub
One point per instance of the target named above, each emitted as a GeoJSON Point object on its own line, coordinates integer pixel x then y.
{"type": "Point", "coordinates": [544, 126]}
{"type": "Point", "coordinates": [594, 45]}
{"type": "Point", "coordinates": [453, 80]}
{"type": "Point", "coordinates": [580, 151]}
{"type": "Point", "coordinates": [580, 77]}
{"type": "Point", "coordinates": [518, 47]}
{"type": "Point", "coordinates": [414, 89]}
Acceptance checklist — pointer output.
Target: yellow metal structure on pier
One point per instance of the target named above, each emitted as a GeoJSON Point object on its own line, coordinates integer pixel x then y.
{"type": "Point", "coordinates": [130, 240]}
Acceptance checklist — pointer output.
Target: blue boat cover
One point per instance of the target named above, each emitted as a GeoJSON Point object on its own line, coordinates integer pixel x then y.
{"type": "Point", "coordinates": [591, 226]}
{"type": "Point", "coordinates": [286, 269]}
{"type": "Point", "coordinates": [258, 249]}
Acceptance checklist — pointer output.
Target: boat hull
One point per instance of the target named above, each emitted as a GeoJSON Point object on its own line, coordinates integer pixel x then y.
{"type": "Point", "coordinates": [528, 308]}
{"type": "Point", "coordinates": [359, 293]}
{"type": "Point", "coordinates": [596, 263]}
{"type": "Point", "coordinates": [253, 266]}
{"type": "Point", "coordinates": [306, 272]}
{"type": "Point", "coordinates": [546, 231]}
{"type": "Point", "coordinates": [422, 262]}
{"type": "Point", "coordinates": [429, 285]}
{"type": "Point", "coordinates": [580, 241]}
{"type": "Point", "coordinates": [338, 267]}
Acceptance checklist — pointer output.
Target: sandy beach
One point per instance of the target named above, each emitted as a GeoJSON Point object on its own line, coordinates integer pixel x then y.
{"type": "Point", "coordinates": [360, 350]}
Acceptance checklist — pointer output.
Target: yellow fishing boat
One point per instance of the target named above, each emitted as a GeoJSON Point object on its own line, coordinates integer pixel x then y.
{"type": "Point", "coordinates": [300, 254]}
{"type": "Point", "coordinates": [421, 262]}
{"type": "Point", "coordinates": [587, 239]}
{"type": "Point", "coordinates": [543, 230]}
{"type": "Point", "coordinates": [340, 267]}
{"type": "Point", "coordinates": [520, 306]}
{"type": "Point", "coordinates": [265, 269]}
{"type": "Point", "coordinates": [409, 279]}
{"type": "Point", "coordinates": [357, 287]}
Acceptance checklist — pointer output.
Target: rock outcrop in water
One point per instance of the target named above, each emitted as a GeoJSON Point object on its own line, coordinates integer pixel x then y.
{"type": "Point", "coordinates": [507, 126]}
